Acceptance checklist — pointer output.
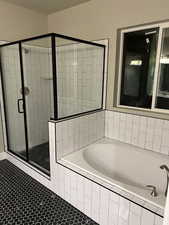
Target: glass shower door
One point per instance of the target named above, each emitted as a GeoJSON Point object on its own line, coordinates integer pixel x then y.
{"type": "Point", "coordinates": [38, 82]}
{"type": "Point", "coordinates": [13, 100]}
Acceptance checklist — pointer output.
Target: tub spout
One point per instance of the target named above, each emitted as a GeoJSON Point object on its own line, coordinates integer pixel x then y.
{"type": "Point", "coordinates": [165, 167]}
{"type": "Point", "coordinates": [153, 190]}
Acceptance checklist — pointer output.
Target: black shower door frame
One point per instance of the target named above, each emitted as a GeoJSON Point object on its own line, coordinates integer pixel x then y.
{"type": "Point", "coordinates": [55, 95]}
{"type": "Point", "coordinates": [19, 43]}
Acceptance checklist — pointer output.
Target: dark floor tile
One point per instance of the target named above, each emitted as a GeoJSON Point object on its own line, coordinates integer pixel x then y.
{"type": "Point", "coordinates": [39, 155]}
{"type": "Point", "coordinates": [24, 201]}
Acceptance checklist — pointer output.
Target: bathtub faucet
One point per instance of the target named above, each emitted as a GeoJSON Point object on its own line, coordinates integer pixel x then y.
{"type": "Point", "coordinates": [165, 167]}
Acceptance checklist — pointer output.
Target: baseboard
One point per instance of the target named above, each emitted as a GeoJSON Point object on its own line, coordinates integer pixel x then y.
{"type": "Point", "coordinates": [2, 155]}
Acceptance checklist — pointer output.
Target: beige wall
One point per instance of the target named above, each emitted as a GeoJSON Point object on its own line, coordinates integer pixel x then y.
{"type": "Point", "coordinates": [99, 19]}
{"type": "Point", "coordinates": [17, 23]}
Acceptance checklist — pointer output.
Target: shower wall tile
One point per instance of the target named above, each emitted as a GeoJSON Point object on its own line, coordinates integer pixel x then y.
{"type": "Point", "coordinates": [76, 87]}
{"type": "Point", "coordinates": [76, 133]}
{"type": "Point", "coordinates": [38, 71]}
{"type": "Point", "coordinates": [148, 133]}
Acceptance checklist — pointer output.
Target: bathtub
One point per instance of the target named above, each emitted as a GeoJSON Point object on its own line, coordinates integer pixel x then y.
{"type": "Point", "coordinates": [124, 166]}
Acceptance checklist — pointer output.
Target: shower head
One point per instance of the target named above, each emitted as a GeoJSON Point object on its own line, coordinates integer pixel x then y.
{"type": "Point", "coordinates": [164, 167]}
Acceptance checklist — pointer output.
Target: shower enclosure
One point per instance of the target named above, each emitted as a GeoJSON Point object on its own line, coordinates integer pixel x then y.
{"type": "Point", "coordinates": [49, 77]}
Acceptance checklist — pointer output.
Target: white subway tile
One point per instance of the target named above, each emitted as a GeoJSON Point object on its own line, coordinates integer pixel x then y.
{"type": "Point", "coordinates": [158, 220]}
{"type": "Point", "coordinates": [122, 127]}
{"type": "Point", "coordinates": [135, 209]}
{"type": "Point", "coordinates": [134, 219]}
{"type": "Point", "coordinates": [80, 192]}
{"type": "Point", "coordinates": [121, 221]}
{"type": "Point", "coordinates": [107, 123]}
{"type": "Point", "coordinates": [95, 202]}
{"type": "Point", "coordinates": [149, 133]}
{"type": "Point", "coordinates": [67, 185]}
{"type": "Point", "coordinates": [114, 198]}
{"type": "Point", "coordinates": [104, 203]}
{"type": "Point", "coordinates": [164, 150]}
{"type": "Point", "coordinates": [135, 131]}
{"type": "Point", "coordinates": [129, 126]}
{"type": "Point", "coordinates": [87, 197]}
{"type": "Point", "coordinates": [166, 125]}
{"type": "Point", "coordinates": [165, 138]}
{"type": "Point", "coordinates": [147, 218]}
{"type": "Point", "coordinates": [113, 213]}
{"type": "Point", "coordinates": [156, 143]}
{"type": "Point", "coordinates": [73, 189]}
{"type": "Point", "coordinates": [124, 209]}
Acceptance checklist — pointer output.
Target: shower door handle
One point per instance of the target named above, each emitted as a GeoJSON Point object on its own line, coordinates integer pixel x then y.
{"type": "Point", "coordinates": [20, 105]}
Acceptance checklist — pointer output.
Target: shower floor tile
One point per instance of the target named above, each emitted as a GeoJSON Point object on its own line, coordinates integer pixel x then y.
{"type": "Point", "coordinates": [39, 155]}
{"type": "Point", "coordinates": [24, 201]}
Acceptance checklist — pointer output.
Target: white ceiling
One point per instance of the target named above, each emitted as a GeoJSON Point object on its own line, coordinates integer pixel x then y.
{"type": "Point", "coordinates": [47, 6]}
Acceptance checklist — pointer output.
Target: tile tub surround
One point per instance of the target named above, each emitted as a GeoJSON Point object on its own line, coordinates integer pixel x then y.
{"type": "Point", "coordinates": [82, 162]}
{"type": "Point", "coordinates": [76, 133]}
{"type": "Point", "coordinates": [144, 132]}
{"type": "Point", "coordinates": [100, 204]}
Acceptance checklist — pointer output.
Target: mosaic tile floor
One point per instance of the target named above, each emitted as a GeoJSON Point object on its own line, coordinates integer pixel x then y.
{"type": "Point", "coordinates": [24, 201]}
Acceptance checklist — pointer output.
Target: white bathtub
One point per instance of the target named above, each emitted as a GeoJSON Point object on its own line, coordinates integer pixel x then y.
{"type": "Point", "coordinates": [125, 166]}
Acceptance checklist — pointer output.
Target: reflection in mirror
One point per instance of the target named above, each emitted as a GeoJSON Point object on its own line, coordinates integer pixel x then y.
{"type": "Point", "coordinates": [138, 65]}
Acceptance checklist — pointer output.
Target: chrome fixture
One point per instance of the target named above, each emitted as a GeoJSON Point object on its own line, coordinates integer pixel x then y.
{"type": "Point", "coordinates": [153, 190]}
{"type": "Point", "coordinates": [165, 167]}
{"type": "Point", "coordinates": [26, 91]}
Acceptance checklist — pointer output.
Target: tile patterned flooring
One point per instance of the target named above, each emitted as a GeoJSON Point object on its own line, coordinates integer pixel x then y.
{"type": "Point", "coordinates": [24, 201]}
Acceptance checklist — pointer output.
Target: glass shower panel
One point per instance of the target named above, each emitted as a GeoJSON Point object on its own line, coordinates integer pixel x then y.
{"type": "Point", "coordinates": [37, 65]}
{"type": "Point", "coordinates": [79, 77]}
{"type": "Point", "coordinates": [162, 98]}
{"type": "Point", "coordinates": [13, 99]}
